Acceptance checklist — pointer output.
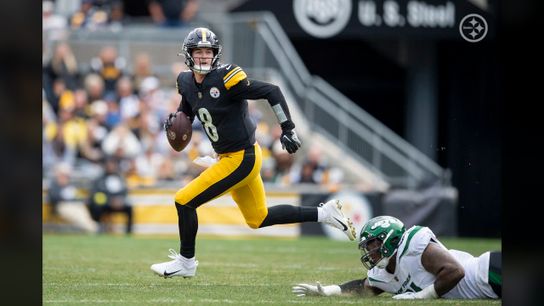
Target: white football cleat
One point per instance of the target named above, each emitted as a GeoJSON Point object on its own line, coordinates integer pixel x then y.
{"type": "Point", "coordinates": [179, 266]}
{"type": "Point", "coordinates": [335, 218]}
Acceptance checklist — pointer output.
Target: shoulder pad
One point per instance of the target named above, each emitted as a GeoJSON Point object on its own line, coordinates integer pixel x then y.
{"type": "Point", "coordinates": [183, 78]}
{"type": "Point", "coordinates": [376, 276]}
{"type": "Point", "coordinates": [232, 74]}
{"type": "Point", "coordinates": [415, 240]}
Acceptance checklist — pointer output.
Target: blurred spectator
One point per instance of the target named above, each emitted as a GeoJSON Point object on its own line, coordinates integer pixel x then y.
{"type": "Point", "coordinates": [81, 104]}
{"type": "Point", "coordinates": [110, 66]}
{"type": "Point", "coordinates": [148, 166]}
{"type": "Point", "coordinates": [168, 169]}
{"type": "Point", "coordinates": [175, 68]}
{"type": "Point", "coordinates": [268, 170]}
{"type": "Point", "coordinates": [65, 202]}
{"type": "Point", "coordinates": [284, 160]}
{"type": "Point", "coordinates": [142, 70]}
{"type": "Point", "coordinates": [113, 117]}
{"type": "Point", "coordinates": [148, 90]}
{"type": "Point", "coordinates": [95, 87]}
{"type": "Point", "coordinates": [61, 70]}
{"type": "Point", "coordinates": [306, 174]}
{"type": "Point", "coordinates": [336, 179]}
{"type": "Point", "coordinates": [54, 26]}
{"type": "Point", "coordinates": [53, 94]}
{"type": "Point", "coordinates": [67, 101]}
{"type": "Point", "coordinates": [71, 138]}
{"type": "Point", "coordinates": [98, 14]}
{"type": "Point", "coordinates": [88, 16]}
{"type": "Point", "coordinates": [264, 137]}
{"type": "Point", "coordinates": [117, 15]}
{"type": "Point", "coordinates": [122, 143]}
{"type": "Point", "coordinates": [109, 194]}
{"type": "Point", "coordinates": [156, 101]}
{"type": "Point", "coordinates": [67, 7]}
{"type": "Point", "coordinates": [162, 146]}
{"type": "Point", "coordinates": [129, 103]}
{"type": "Point", "coordinates": [314, 169]}
{"type": "Point", "coordinates": [147, 126]}
{"type": "Point", "coordinates": [97, 123]}
{"type": "Point", "coordinates": [172, 13]}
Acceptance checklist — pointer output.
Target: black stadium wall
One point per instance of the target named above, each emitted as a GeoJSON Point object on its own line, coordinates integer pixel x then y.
{"type": "Point", "coordinates": [417, 75]}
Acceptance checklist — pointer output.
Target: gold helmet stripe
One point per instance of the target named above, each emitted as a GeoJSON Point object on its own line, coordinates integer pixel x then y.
{"type": "Point", "coordinates": [203, 35]}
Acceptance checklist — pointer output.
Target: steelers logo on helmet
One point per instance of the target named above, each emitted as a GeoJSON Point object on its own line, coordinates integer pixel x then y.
{"type": "Point", "coordinates": [201, 38]}
{"type": "Point", "coordinates": [214, 92]}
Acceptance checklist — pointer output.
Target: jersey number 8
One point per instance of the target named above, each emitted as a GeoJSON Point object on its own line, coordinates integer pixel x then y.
{"type": "Point", "coordinates": [206, 119]}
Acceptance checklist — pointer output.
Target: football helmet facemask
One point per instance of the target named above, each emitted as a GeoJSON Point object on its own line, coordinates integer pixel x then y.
{"type": "Point", "coordinates": [387, 230]}
{"type": "Point", "coordinates": [201, 38]}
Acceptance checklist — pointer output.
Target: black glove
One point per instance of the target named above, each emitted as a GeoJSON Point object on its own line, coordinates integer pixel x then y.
{"type": "Point", "coordinates": [167, 123]}
{"type": "Point", "coordinates": [289, 141]}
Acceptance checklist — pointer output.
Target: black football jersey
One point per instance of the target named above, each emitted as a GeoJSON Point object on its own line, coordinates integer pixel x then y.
{"type": "Point", "coordinates": [220, 104]}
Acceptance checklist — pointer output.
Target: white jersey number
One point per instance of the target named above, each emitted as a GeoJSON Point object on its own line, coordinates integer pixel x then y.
{"type": "Point", "coordinates": [206, 119]}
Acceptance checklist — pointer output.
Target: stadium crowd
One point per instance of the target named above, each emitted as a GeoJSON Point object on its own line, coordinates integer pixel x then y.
{"type": "Point", "coordinates": [109, 111]}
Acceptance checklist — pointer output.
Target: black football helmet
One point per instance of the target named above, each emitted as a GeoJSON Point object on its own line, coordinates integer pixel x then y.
{"type": "Point", "coordinates": [201, 38]}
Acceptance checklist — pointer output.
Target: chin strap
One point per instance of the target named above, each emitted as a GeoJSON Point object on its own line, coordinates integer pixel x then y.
{"type": "Point", "coordinates": [385, 260]}
{"type": "Point", "coordinates": [202, 71]}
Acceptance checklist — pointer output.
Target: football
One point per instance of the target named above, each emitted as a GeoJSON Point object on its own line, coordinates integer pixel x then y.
{"type": "Point", "coordinates": [179, 133]}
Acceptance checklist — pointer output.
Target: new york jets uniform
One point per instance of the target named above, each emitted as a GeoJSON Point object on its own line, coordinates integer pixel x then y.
{"type": "Point", "coordinates": [411, 276]}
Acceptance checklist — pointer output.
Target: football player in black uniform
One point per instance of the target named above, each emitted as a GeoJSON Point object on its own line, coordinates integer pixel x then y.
{"type": "Point", "coordinates": [217, 94]}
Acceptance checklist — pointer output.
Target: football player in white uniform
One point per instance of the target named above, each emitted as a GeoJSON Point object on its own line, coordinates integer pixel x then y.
{"type": "Point", "coordinates": [413, 264]}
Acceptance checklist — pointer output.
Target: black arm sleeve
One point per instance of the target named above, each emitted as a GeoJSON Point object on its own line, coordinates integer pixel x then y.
{"type": "Point", "coordinates": [358, 287]}
{"type": "Point", "coordinates": [353, 287]}
{"type": "Point", "coordinates": [255, 89]}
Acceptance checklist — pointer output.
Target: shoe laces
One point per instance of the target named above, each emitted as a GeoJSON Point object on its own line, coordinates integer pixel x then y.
{"type": "Point", "coordinates": [174, 254]}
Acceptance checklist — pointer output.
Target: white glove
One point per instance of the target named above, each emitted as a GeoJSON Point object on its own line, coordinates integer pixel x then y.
{"type": "Point", "coordinates": [426, 293]}
{"type": "Point", "coordinates": [205, 161]}
{"type": "Point", "coordinates": [305, 289]}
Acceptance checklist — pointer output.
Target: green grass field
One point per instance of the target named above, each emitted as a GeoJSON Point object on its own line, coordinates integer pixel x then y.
{"type": "Point", "coordinates": [114, 270]}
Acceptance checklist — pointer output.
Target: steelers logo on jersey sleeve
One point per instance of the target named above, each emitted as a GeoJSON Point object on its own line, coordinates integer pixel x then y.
{"type": "Point", "coordinates": [214, 92]}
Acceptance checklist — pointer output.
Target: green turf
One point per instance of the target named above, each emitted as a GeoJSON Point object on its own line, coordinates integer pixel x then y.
{"type": "Point", "coordinates": [114, 270]}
